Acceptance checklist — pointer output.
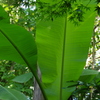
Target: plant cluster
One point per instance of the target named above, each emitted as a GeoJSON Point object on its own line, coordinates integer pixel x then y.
{"type": "Point", "coordinates": [12, 75]}
{"type": "Point", "coordinates": [46, 11]}
{"type": "Point", "coordinates": [87, 91]}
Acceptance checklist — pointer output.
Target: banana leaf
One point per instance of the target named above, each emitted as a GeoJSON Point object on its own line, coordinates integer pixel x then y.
{"type": "Point", "coordinates": [17, 44]}
{"type": "Point", "coordinates": [11, 94]}
{"type": "Point", "coordinates": [62, 52]}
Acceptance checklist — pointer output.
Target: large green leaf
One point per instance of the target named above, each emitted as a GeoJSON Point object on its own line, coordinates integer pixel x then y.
{"type": "Point", "coordinates": [18, 45]}
{"type": "Point", "coordinates": [62, 52]}
{"type": "Point", "coordinates": [11, 94]}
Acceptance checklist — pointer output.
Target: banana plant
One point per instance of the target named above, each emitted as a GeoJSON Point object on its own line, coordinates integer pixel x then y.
{"type": "Point", "coordinates": [62, 51]}
{"type": "Point", "coordinates": [17, 44]}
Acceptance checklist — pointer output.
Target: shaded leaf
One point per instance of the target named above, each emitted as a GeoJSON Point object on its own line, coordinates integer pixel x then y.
{"type": "Point", "coordinates": [23, 78]}
{"type": "Point", "coordinates": [11, 94]}
{"type": "Point", "coordinates": [88, 75]}
{"type": "Point", "coordinates": [3, 15]}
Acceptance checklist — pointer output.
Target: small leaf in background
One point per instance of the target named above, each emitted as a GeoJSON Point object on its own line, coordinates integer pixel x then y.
{"type": "Point", "coordinates": [3, 15]}
{"type": "Point", "coordinates": [23, 78]}
{"type": "Point", "coordinates": [88, 75]}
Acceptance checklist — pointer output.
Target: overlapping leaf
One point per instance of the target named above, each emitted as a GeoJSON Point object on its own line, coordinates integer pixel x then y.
{"type": "Point", "coordinates": [17, 44]}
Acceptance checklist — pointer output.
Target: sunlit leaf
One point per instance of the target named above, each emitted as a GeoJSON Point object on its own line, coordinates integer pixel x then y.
{"type": "Point", "coordinates": [62, 52]}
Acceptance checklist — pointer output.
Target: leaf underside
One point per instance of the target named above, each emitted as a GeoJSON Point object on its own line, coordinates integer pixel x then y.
{"type": "Point", "coordinates": [62, 52]}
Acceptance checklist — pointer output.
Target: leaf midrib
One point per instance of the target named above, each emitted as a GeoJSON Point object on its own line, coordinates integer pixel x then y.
{"type": "Point", "coordinates": [25, 60]}
{"type": "Point", "coordinates": [19, 52]}
{"type": "Point", "coordinates": [63, 56]}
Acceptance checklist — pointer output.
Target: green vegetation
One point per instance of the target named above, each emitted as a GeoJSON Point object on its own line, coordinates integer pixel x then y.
{"type": "Point", "coordinates": [55, 36]}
